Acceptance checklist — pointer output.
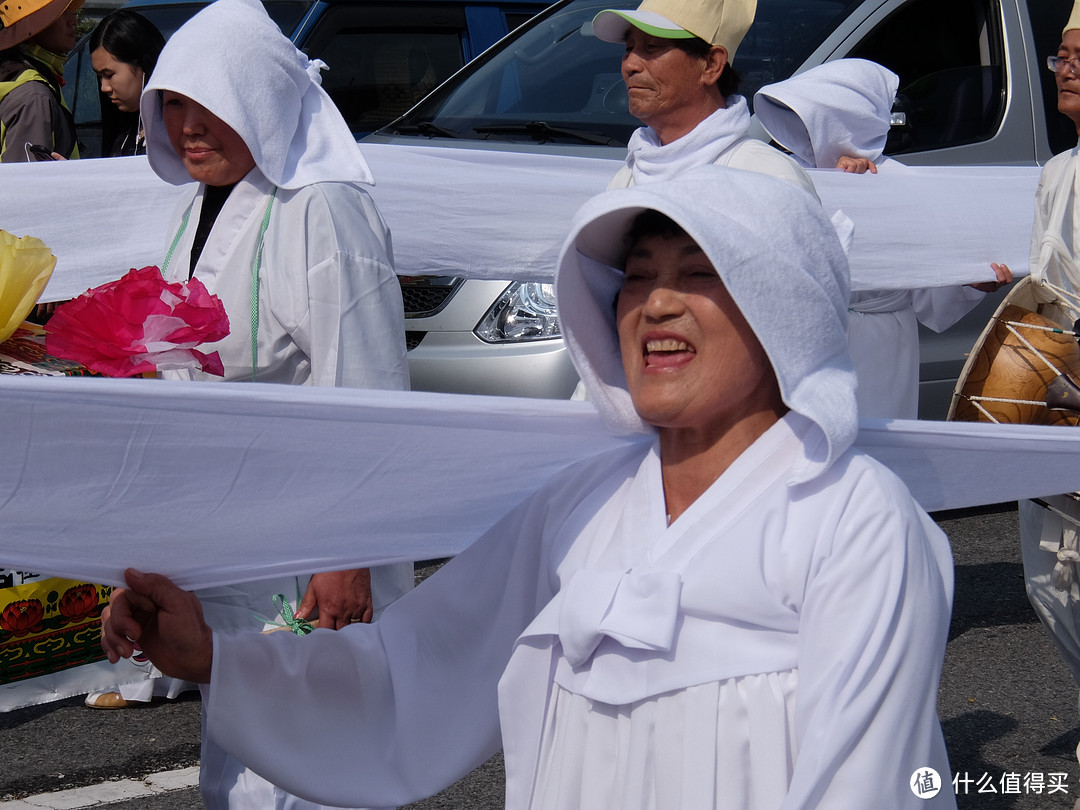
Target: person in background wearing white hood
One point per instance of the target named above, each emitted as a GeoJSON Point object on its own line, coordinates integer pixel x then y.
{"type": "Point", "coordinates": [681, 85]}
{"type": "Point", "coordinates": [737, 611]}
{"type": "Point", "coordinates": [279, 227]}
{"type": "Point", "coordinates": [838, 115]}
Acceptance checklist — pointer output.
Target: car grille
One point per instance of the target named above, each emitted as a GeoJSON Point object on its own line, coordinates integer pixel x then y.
{"type": "Point", "coordinates": [412, 340]}
{"type": "Point", "coordinates": [424, 296]}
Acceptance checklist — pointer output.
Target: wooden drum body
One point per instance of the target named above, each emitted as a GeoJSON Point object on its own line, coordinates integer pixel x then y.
{"type": "Point", "coordinates": [1002, 366]}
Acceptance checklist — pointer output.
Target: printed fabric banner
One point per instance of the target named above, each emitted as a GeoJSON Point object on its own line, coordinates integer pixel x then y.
{"type": "Point", "coordinates": [47, 624]}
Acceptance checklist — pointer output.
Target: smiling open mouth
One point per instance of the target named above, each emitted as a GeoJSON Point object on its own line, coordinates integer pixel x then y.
{"type": "Point", "coordinates": [667, 352]}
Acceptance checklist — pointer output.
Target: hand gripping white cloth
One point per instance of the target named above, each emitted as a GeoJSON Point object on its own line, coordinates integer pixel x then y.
{"type": "Point", "coordinates": [232, 59]}
{"type": "Point", "coordinates": [780, 259]}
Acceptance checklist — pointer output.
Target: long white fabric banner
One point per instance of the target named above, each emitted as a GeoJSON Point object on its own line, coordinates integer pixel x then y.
{"type": "Point", "coordinates": [503, 215]}
{"type": "Point", "coordinates": [215, 483]}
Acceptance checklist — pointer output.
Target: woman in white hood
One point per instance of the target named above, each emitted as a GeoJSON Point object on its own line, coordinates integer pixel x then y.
{"type": "Point", "coordinates": [837, 115]}
{"type": "Point", "coordinates": [279, 227]}
{"type": "Point", "coordinates": [736, 611]}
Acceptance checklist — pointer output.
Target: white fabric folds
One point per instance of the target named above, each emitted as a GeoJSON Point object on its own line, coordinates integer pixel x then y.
{"type": "Point", "coordinates": [649, 160]}
{"type": "Point", "coordinates": [489, 214]}
{"type": "Point", "coordinates": [103, 474]}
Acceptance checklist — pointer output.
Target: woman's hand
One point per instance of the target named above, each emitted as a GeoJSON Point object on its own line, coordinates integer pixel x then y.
{"type": "Point", "coordinates": [164, 621]}
{"type": "Point", "coordinates": [1004, 276]}
{"type": "Point", "coordinates": [854, 165]}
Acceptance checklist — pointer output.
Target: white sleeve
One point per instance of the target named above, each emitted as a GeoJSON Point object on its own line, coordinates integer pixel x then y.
{"type": "Point", "coordinates": [355, 330]}
{"type": "Point", "coordinates": [938, 308]}
{"type": "Point", "coordinates": [391, 712]}
{"type": "Point", "coordinates": [873, 627]}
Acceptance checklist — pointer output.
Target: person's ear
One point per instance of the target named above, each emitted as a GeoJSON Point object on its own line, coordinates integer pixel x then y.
{"type": "Point", "coordinates": [716, 61]}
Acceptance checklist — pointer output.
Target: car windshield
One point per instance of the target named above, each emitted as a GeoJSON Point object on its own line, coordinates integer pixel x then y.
{"type": "Point", "coordinates": [554, 81]}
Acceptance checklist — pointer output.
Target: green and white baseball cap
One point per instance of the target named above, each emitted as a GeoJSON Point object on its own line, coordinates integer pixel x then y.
{"type": "Point", "coordinates": [723, 23]}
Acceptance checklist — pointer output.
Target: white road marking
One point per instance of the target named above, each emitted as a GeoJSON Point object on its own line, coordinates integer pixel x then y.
{"type": "Point", "coordinates": [106, 793]}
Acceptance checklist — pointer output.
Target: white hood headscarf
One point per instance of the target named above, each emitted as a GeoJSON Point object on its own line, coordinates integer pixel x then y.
{"type": "Point", "coordinates": [779, 258]}
{"type": "Point", "coordinates": [839, 108]}
{"type": "Point", "coordinates": [232, 59]}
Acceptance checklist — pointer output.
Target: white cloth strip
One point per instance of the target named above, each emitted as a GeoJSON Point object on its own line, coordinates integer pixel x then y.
{"type": "Point", "coordinates": [226, 482]}
{"type": "Point", "coordinates": [482, 213]}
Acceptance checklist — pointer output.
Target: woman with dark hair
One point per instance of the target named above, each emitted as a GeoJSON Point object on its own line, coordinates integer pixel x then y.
{"type": "Point", "coordinates": [124, 49]}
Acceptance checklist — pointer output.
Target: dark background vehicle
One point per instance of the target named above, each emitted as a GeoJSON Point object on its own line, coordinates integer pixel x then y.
{"type": "Point", "coordinates": [974, 90]}
{"type": "Point", "coordinates": [383, 56]}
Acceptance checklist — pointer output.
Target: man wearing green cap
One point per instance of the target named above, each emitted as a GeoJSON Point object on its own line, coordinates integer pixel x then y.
{"type": "Point", "coordinates": [680, 83]}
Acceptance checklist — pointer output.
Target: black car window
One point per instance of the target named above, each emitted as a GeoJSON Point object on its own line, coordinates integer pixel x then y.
{"type": "Point", "coordinates": [383, 59]}
{"type": "Point", "coordinates": [952, 73]}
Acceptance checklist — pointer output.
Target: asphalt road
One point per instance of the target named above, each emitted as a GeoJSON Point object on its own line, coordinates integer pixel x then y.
{"type": "Point", "coordinates": [1007, 703]}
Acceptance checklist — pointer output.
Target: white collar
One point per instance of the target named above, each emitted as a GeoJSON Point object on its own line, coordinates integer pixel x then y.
{"type": "Point", "coordinates": [649, 160]}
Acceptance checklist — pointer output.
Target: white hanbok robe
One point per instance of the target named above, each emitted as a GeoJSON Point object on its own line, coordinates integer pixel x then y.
{"type": "Point", "coordinates": [1047, 541]}
{"type": "Point", "coordinates": [775, 647]}
{"type": "Point", "coordinates": [883, 337]}
{"type": "Point", "coordinates": [330, 309]}
{"type": "Point", "coordinates": [330, 314]}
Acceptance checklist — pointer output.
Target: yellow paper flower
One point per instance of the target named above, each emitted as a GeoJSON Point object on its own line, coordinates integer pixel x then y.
{"type": "Point", "coordinates": [26, 265]}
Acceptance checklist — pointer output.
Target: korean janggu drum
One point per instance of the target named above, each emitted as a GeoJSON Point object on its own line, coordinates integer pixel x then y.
{"type": "Point", "coordinates": [1025, 366]}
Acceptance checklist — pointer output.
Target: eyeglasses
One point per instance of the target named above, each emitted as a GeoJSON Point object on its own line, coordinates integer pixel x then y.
{"type": "Point", "coordinates": [1059, 63]}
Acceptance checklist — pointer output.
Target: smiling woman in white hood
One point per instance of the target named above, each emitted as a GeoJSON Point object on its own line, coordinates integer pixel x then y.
{"type": "Point", "coordinates": [741, 612]}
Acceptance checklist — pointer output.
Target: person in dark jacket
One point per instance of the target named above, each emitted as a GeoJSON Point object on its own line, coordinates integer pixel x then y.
{"type": "Point", "coordinates": [35, 37]}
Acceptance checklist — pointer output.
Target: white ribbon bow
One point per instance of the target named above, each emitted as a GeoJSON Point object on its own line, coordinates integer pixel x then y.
{"type": "Point", "coordinates": [636, 610]}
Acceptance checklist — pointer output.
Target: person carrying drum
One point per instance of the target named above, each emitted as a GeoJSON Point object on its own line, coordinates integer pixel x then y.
{"type": "Point", "coordinates": [1050, 527]}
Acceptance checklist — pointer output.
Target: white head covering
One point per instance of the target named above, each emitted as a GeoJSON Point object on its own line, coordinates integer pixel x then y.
{"type": "Point", "coordinates": [780, 260]}
{"type": "Point", "coordinates": [232, 59]}
{"type": "Point", "coordinates": [839, 108]}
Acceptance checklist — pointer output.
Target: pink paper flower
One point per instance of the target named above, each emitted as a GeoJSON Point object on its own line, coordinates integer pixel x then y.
{"type": "Point", "coordinates": [139, 323]}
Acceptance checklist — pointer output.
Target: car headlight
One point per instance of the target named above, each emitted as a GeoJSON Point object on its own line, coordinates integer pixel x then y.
{"type": "Point", "coordinates": [525, 311]}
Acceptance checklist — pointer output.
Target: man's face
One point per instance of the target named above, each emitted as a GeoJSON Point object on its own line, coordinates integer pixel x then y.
{"type": "Point", "coordinates": [691, 359]}
{"type": "Point", "coordinates": [662, 81]}
{"type": "Point", "coordinates": [60, 36]}
{"type": "Point", "coordinates": [1068, 83]}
